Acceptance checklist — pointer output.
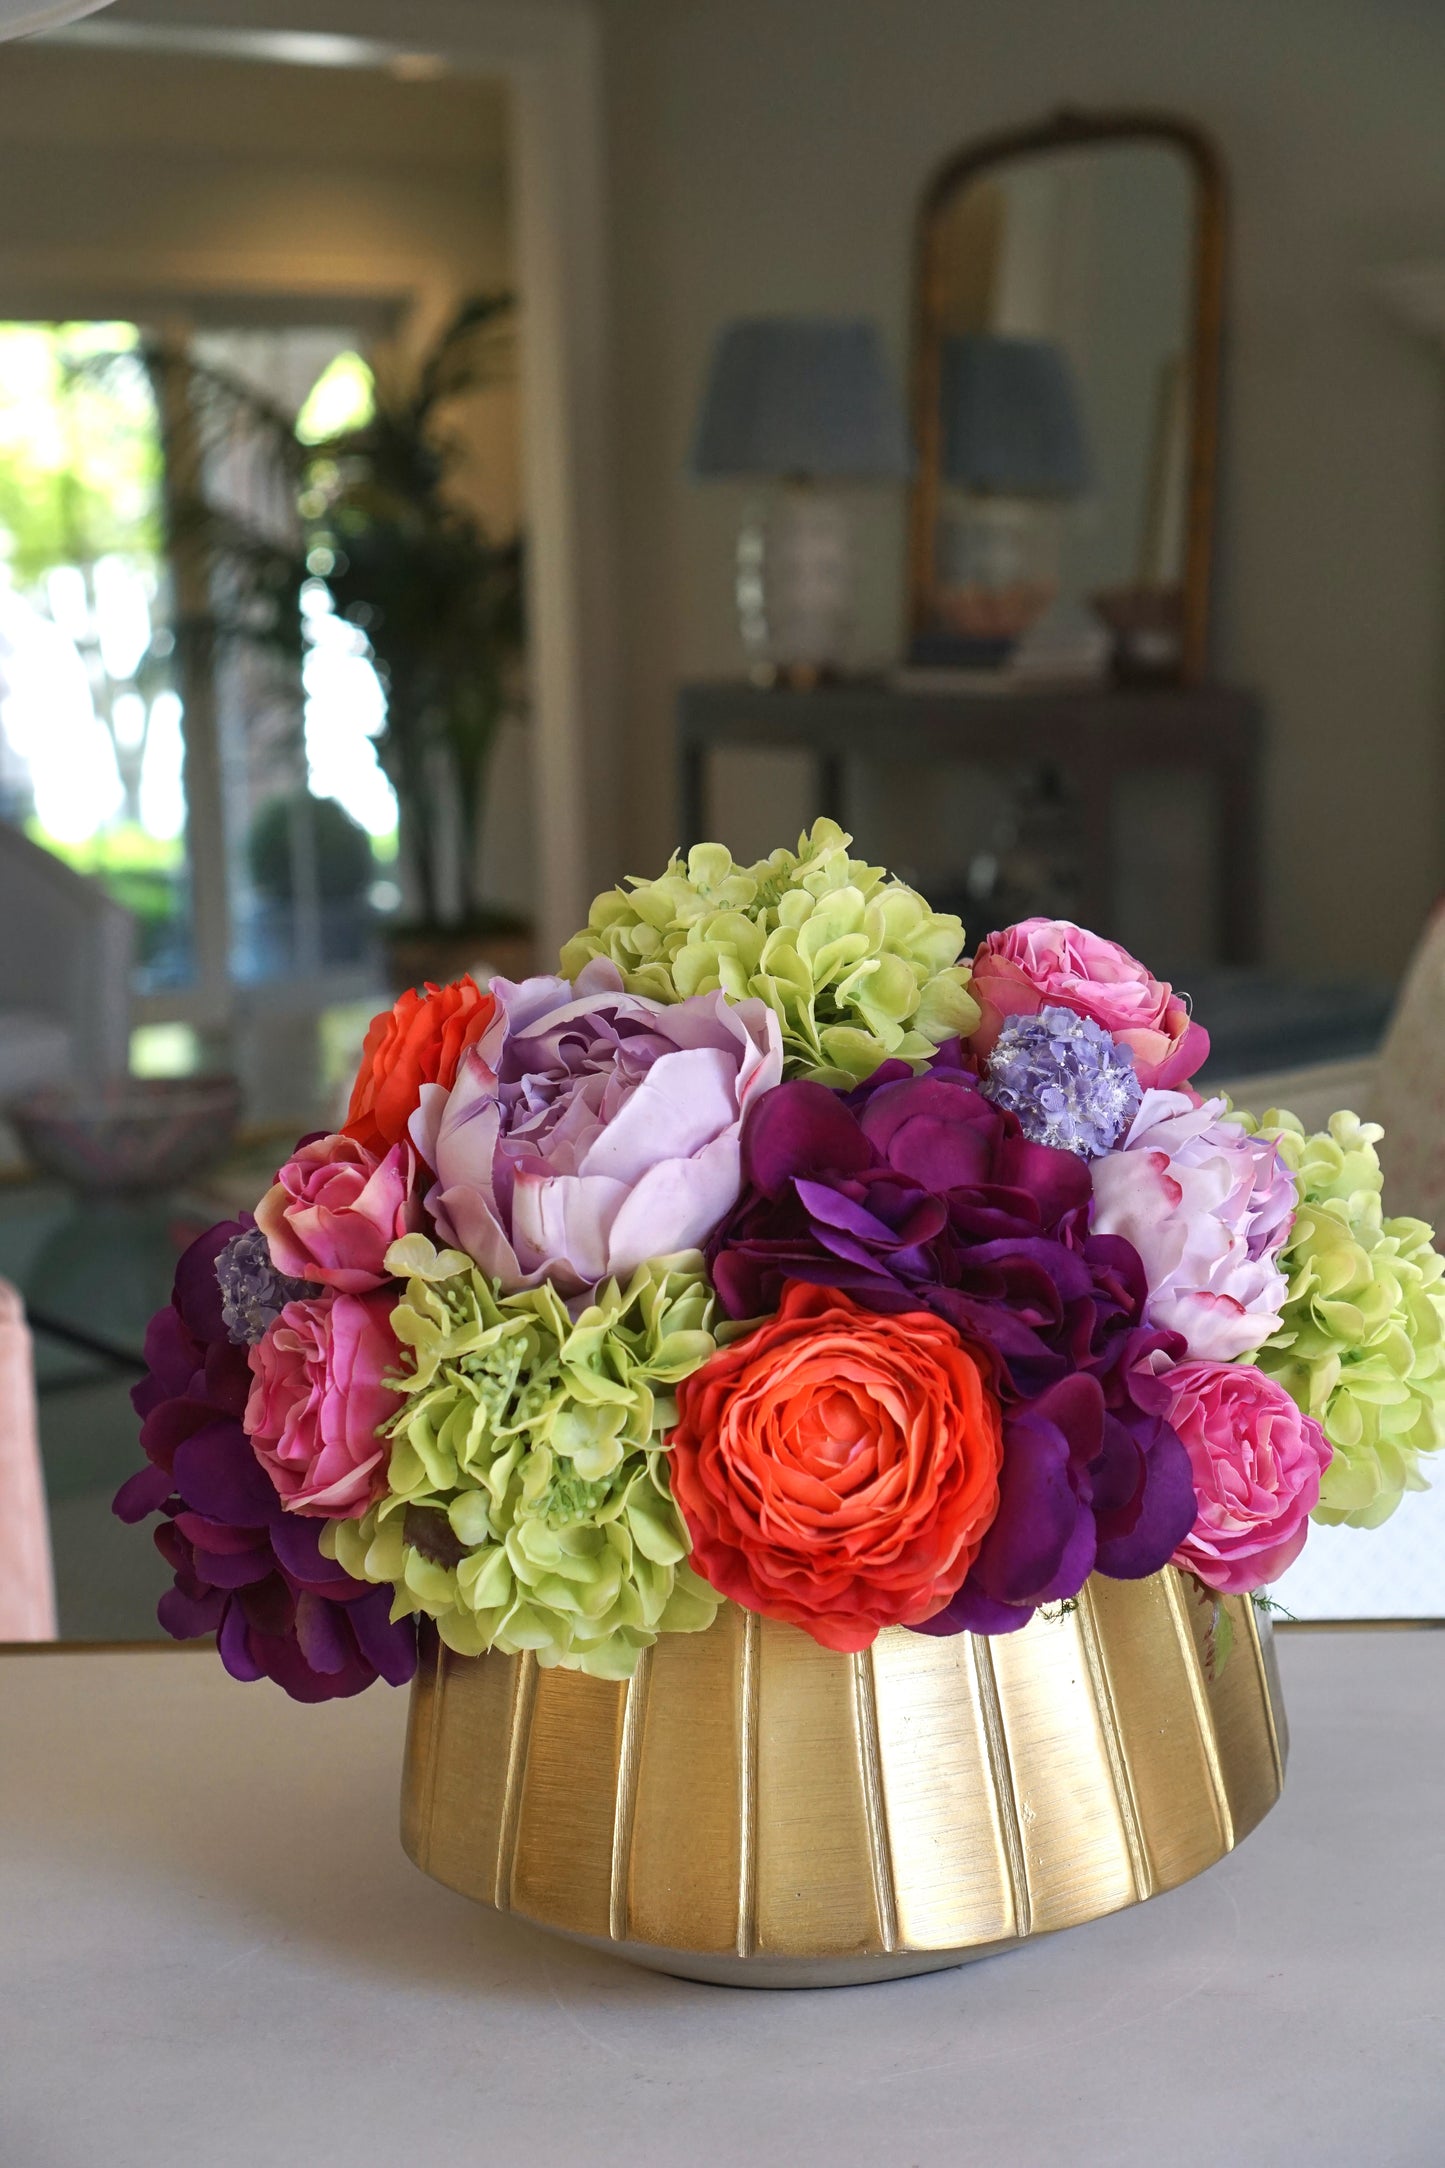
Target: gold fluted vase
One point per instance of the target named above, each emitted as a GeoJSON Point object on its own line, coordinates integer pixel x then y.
{"type": "Point", "coordinates": [755, 1809]}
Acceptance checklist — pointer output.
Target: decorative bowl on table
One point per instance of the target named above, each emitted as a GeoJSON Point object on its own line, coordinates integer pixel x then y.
{"type": "Point", "coordinates": [824, 1415]}
{"type": "Point", "coordinates": [131, 1136]}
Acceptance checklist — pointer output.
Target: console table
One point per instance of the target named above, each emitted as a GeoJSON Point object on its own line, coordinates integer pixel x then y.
{"type": "Point", "coordinates": [1092, 738]}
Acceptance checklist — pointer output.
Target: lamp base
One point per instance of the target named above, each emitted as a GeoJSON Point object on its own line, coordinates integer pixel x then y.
{"type": "Point", "coordinates": [795, 587]}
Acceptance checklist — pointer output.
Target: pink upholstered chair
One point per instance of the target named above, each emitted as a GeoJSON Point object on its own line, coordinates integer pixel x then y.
{"type": "Point", "coordinates": [27, 1591]}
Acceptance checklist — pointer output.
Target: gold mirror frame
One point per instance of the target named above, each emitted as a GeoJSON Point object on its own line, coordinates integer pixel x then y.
{"type": "Point", "coordinates": [1068, 129]}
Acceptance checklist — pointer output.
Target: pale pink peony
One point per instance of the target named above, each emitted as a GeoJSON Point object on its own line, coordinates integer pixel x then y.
{"type": "Point", "coordinates": [590, 1129]}
{"type": "Point", "coordinates": [1050, 962]}
{"type": "Point", "coordinates": [335, 1209]}
{"type": "Point", "coordinates": [1208, 1208]}
{"type": "Point", "coordinates": [317, 1402]}
{"type": "Point", "coordinates": [1257, 1463]}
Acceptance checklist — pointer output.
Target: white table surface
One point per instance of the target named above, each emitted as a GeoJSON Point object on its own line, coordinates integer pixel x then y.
{"type": "Point", "coordinates": [213, 1954]}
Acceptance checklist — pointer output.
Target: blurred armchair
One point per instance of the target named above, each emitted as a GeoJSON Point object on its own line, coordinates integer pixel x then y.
{"type": "Point", "coordinates": [1402, 1087]}
{"type": "Point", "coordinates": [66, 949]}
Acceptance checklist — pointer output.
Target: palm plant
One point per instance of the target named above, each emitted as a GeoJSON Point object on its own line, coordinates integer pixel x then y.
{"type": "Point", "coordinates": [372, 511]}
{"type": "Point", "coordinates": [439, 602]}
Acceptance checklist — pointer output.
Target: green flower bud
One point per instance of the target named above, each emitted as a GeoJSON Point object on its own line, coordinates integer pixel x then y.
{"type": "Point", "coordinates": [856, 968]}
{"type": "Point", "coordinates": [529, 1505]}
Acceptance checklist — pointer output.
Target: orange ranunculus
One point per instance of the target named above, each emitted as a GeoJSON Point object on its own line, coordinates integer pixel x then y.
{"type": "Point", "coordinates": [838, 1468]}
{"type": "Point", "coordinates": [419, 1041]}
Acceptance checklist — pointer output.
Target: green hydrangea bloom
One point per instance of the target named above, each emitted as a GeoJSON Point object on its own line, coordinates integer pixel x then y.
{"type": "Point", "coordinates": [855, 966]}
{"type": "Point", "coordinates": [529, 1505]}
{"type": "Point", "coordinates": [1361, 1344]}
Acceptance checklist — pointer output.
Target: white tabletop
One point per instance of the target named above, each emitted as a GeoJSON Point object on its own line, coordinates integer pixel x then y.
{"type": "Point", "coordinates": [213, 1954]}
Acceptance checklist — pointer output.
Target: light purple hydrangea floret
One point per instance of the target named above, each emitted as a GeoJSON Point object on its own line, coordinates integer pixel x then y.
{"type": "Point", "coordinates": [253, 1292]}
{"type": "Point", "coordinates": [1067, 1079]}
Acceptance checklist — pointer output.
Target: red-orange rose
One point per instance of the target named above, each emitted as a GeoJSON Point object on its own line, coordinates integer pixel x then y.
{"type": "Point", "coordinates": [419, 1041]}
{"type": "Point", "coordinates": [838, 1468]}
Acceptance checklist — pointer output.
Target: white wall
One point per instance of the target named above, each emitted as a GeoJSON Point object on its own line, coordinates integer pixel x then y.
{"type": "Point", "coordinates": [768, 154]}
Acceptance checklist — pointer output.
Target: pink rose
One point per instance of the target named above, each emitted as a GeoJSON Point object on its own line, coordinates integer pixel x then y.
{"type": "Point", "coordinates": [1257, 1463]}
{"type": "Point", "coordinates": [335, 1209]}
{"type": "Point", "coordinates": [1209, 1209]}
{"type": "Point", "coordinates": [317, 1402]}
{"type": "Point", "coordinates": [1050, 962]}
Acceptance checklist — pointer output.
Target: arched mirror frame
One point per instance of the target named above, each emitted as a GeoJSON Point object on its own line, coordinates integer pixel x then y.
{"type": "Point", "coordinates": [1066, 130]}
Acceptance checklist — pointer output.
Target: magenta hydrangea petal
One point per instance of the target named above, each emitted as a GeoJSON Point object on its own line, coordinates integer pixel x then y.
{"type": "Point", "coordinates": [971, 1611]}
{"type": "Point", "coordinates": [296, 1543]}
{"type": "Point", "coordinates": [389, 1649]}
{"type": "Point", "coordinates": [188, 1618]}
{"type": "Point", "coordinates": [233, 1645]}
{"type": "Point", "coordinates": [230, 1568]}
{"type": "Point", "coordinates": [322, 1634]}
{"type": "Point", "coordinates": [1154, 1521]}
{"type": "Point", "coordinates": [790, 1131]}
{"type": "Point", "coordinates": [141, 1494]}
{"type": "Point", "coordinates": [219, 1475]}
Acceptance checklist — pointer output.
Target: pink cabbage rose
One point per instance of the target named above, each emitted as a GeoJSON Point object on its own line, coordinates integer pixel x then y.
{"type": "Point", "coordinates": [590, 1129]}
{"type": "Point", "coordinates": [1050, 962]}
{"type": "Point", "coordinates": [335, 1209]}
{"type": "Point", "coordinates": [1257, 1463]}
{"type": "Point", "coordinates": [317, 1402]}
{"type": "Point", "coordinates": [1208, 1208]}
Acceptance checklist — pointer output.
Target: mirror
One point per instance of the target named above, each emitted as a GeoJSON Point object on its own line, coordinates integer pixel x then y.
{"type": "Point", "coordinates": [1065, 391]}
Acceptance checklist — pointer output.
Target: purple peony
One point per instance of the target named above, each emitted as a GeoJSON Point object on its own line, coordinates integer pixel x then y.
{"type": "Point", "coordinates": [917, 1192]}
{"type": "Point", "coordinates": [245, 1570]}
{"type": "Point", "coordinates": [1068, 1081]}
{"type": "Point", "coordinates": [882, 1191]}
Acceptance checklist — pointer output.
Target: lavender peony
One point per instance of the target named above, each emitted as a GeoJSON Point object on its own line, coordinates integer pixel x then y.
{"type": "Point", "coordinates": [245, 1571]}
{"type": "Point", "coordinates": [917, 1192]}
{"type": "Point", "coordinates": [1208, 1208]}
{"type": "Point", "coordinates": [589, 1129]}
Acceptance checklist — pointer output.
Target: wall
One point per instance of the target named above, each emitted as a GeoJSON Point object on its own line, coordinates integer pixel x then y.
{"type": "Point", "coordinates": [153, 185]}
{"type": "Point", "coordinates": [768, 154]}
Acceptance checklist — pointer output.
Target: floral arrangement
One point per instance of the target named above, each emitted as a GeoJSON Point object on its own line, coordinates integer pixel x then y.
{"type": "Point", "coordinates": [775, 1253]}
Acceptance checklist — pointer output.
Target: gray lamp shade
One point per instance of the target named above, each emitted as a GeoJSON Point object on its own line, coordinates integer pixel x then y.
{"type": "Point", "coordinates": [805, 396]}
{"type": "Point", "coordinates": [1012, 425]}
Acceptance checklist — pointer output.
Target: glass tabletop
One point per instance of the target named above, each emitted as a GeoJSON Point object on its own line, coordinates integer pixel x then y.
{"type": "Point", "coordinates": [92, 1272]}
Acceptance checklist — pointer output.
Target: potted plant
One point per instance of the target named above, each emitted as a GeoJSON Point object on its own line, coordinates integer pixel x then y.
{"type": "Point", "coordinates": [440, 604]}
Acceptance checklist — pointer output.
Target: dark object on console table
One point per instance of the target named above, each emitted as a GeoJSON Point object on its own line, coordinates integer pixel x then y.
{"type": "Point", "coordinates": [1092, 739]}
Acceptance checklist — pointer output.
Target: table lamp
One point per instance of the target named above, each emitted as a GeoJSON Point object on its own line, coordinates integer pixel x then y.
{"type": "Point", "coordinates": [801, 401]}
{"type": "Point", "coordinates": [1013, 452]}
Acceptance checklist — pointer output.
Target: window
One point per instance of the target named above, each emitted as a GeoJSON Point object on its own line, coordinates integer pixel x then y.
{"type": "Point", "coordinates": [181, 710]}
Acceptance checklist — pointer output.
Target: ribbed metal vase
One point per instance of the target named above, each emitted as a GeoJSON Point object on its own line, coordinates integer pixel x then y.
{"type": "Point", "coordinates": [754, 1809]}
